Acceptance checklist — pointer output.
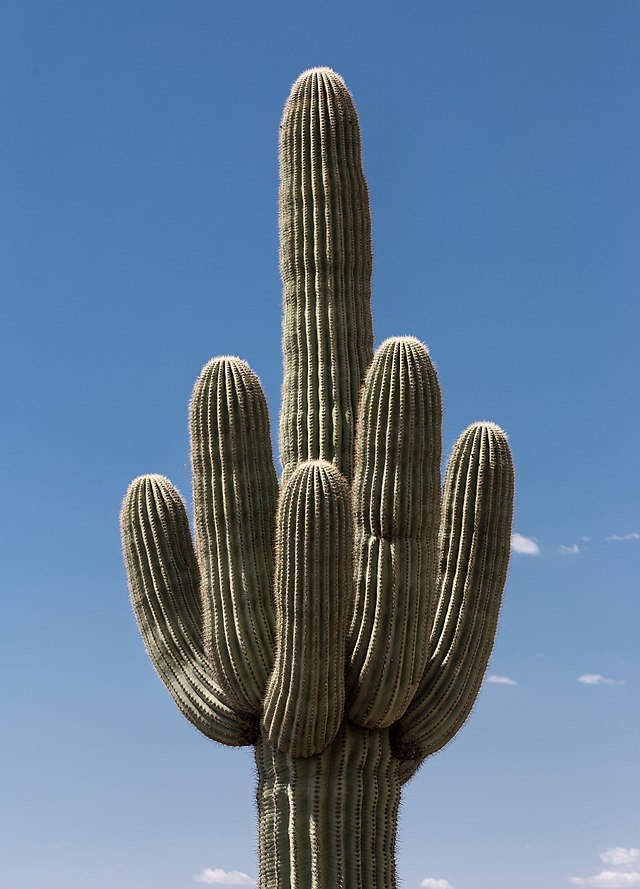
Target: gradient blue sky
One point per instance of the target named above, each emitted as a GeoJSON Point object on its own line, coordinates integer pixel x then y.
{"type": "Point", "coordinates": [138, 238]}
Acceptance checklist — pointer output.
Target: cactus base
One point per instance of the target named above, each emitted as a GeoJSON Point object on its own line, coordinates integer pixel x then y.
{"type": "Point", "coordinates": [329, 820]}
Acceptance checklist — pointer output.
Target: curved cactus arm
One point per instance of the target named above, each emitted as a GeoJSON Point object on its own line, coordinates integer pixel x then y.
{"type": "Point", "coordinates": [163, 579]}
{"type": "Point", "coordinates": [396, 497]}
{"type": "Point", "coordinates": [304, 704]}
{"type": "Point", "coordinates": [474, 546]}
{"type": "Point", "coordinates": [235, 494]}
{"type": "Point", "coordinates": [325, 257]}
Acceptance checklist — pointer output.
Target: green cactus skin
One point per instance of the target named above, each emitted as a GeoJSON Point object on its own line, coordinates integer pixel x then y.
{"type": "Point", "coordinates": [325, 258]}
{"type": "Point", "coordinates": [235, 493]}
{"type": "Point", "coordinates": [343, 627]}
{"type": "Point", "coordinates": [164, 582]}
{"type": "Point", "coordinates": [396, 493]}
{"type": "Point", "coordinates": [329, 820]}
{"type": "Point", "coordinates": [304, 703]}
{"type": "Point", "coordinates": [474, 549]}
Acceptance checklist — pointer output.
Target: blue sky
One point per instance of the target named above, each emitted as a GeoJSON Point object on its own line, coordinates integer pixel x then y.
{"type": "Point", "coordinates": [138, 238]}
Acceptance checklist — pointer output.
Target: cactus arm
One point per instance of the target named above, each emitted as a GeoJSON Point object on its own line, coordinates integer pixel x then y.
{"type": "Point", "coordinates": [235, 496]}
{"type": "Point", "coordinates": [325, 257]}
{"type": "Point", "coordinates": [396, 495]}
{"type": "Point", "coordinates": [475, 546]}
{"type": "Point", "coordinates": [164, 579]}
{"type": "Point", "coordinates": [304, 703]}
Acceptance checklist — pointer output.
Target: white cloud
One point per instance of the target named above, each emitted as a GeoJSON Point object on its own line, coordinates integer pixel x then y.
{"type": "Point", "coordinates": [219, 877]}
{"type": "Point", "coordinates": [632, 536]}
{"type": "Point", "coordinates": [608, 879]}
{"type": "Point", "coordinates": [430, 883]}
{"type": "Point", "coordinates": [619, 856]}
{"type": "Point", "coordinates": [501, 680]}
{"type": "Point", "coordinates": [572, 550]}
{"type": "Point", "coordinates": [597, 679]}
{"type": "Point", "coordinates": [527, 546]}
{"type": "Point", "coordinates": [585, 539]}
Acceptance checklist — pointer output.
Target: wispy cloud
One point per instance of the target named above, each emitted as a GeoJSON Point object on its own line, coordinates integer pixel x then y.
{"type": "Point", "coordinates": [572, 550]}
{"type": "Point", "coordinates": [598, 679]}
{"type": "Point", "coordinates": [431, 883]}
{"type": "Point", "coordinates": [632, 536]}
{"type": "Point", "coordinates": [216, 876]}
{"type": "Point", "coordinates": [501, 680]}
{"type": "Point", "coordinates": [609, 879]}
{"type": "Point", "coordinates": [619, 856]}
{"type": "Point", "coordinates": [527, 546]}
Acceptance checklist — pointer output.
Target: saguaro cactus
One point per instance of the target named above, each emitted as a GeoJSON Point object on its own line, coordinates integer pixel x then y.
{"type": "Point", "coordinates": [344, 624]}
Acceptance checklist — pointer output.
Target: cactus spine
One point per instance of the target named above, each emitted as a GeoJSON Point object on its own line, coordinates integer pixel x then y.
{"type": "Point", "coordinates": [344, 625]}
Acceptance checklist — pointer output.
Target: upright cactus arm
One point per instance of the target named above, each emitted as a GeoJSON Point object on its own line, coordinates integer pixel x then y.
{"type": "Point", "coordinates": [304, 705]}
{"type": "Point", "coordinates": [164, 582]}
{"type": "Point", "coordinates": [207, 619]}
{"type": "Point", "coordinates": [396, 494]}
{"type": "Point", "coordinates": [325, 257]}
{"type": "Point", "coordinates": [474, 549]}
{"type": "Point", "coordinates": [235, 493]}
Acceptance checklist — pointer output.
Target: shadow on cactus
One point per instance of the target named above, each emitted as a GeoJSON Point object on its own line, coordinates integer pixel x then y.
{"type": "Point", "coordinates": [343, 624]}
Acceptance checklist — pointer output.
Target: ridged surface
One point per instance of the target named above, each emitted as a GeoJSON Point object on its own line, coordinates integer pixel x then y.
{"type": "Point", "coordinates": [305, 698]}
{"type": "Point", "coordinates": [396, 502]}
{"type": "Point", "coordinates": [383, 598]}
{"type": "Point", "coordinates": [330, 820]}
{"type": "Point", "coordinates": [325, 256]}
{"type": "Point", "coordinates": [163, 578]}
{"type": "Point", "coordinates": [235, 497]}
{"type": "Point", "coordinates": [474, 547]}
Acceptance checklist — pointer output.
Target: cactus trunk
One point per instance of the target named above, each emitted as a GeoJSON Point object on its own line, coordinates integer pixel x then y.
{"type": "Point", "coordinates": [329, 820]}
